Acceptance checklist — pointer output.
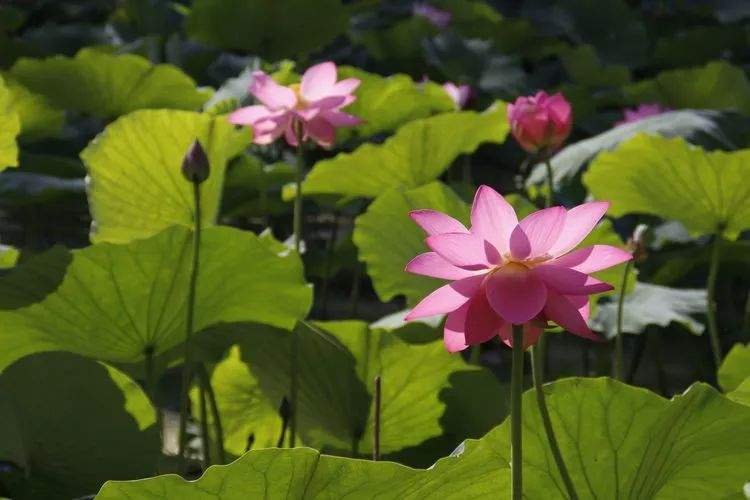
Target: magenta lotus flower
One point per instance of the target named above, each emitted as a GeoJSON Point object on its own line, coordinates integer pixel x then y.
{"type": "Point", "coordinates": [506, 272]}
{"type": "Point", "coordinates": [314, 104]}
{"type": "Point", "coordinates": [437, 17]}
{"type": "Point", "coordinates": [540, 122]}
{"type": "Point", "coordinates": [459, 94]}
{"type": "Point", "coordinates": [641, 112]}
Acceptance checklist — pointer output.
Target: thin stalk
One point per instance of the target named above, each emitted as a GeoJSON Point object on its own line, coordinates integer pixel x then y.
{"type": "Point", "coordinates": [297, 223]}
{"type": "Point", "coordinates": [354, 300]}
{"type": "Point", "coordinates": [713, 273]}
{"type": "Point", "coordinates": [376, 421]}
{"type": "Point", "coordinates": [550, 189]}
{"type": "Point", "coordinates": [215, 415]}
{"type": "Point", "coordinates": [204, 427]}
{"type": "Point", "coordinates": [187, 365]}
{"type": "Point", "coordinates": [516, 391]}
{"type": "Point", "coordinates": [284, 412]}
{"type": "Point", "coordinates": [475, 355]}
{"type": "Point", "coordinates": [746, 319]}
{"type": "Point", "coordinates": [466, 170]}
{"type": "Point", "coordinates": [536, 374]}
{"type": "Point", "coordinates": [619, 338]}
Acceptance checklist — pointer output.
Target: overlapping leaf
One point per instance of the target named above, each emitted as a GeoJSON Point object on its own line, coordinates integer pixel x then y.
{"type": "Point", "coordinates": [617, 440]}
{"type": "Point", "coordinates": [735, 368]}
{"type": "Point", "coordinates": [136, 187]}
{"type": "Point", "coordinates": [107, 85]}
{"type": "Point", "coordinates": [417, 154]}
{"type": "Point", "coordinates": [706, 191]}
{"type": "Point", "coordinates": [39, 119]}
{"type": "Point", "coordinates": [70, 424]}
{"type": "Point", "coordinates": [116, 302]}
{"type": "Point", "coordinates": [10, 127]}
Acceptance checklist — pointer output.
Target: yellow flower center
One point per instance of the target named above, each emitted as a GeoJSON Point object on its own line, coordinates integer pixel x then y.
{"type": "Point", "coordinates": [301, 102]}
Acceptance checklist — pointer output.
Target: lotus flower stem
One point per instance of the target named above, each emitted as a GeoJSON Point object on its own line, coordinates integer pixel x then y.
{"type": "Point", "coordinates": [284, 412]}
{"type": "Point", "coordinates": [516, 424]}
{"type": "Point", "coordinates": [713, 273]}
{"type": "Point", "coordinates": [204, 426]}
{"type": "Point", "coordinates": [550, 184]}
{"type": "Point", "coordinates": [188, 362]}
{"type": "Point", "coordinates": [617, 368]}
{"type": "Point", "coordinates": [215, 415]}
{"type": "Point", "coordinates": [376, 421]}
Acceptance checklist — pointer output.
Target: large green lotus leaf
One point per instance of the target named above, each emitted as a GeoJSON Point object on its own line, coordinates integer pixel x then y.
{"type": "Point", "coordinates": [741, 394]}
{"type": "Point", "coordinates": [385, 103]}
{"type": "Point", "coordinates": [136, 187]}
{"type": "Point", "coordinates": [417, 154]}
{"type": "Point", "coordinates": [10, 127]}
{"type": "Point", "coordinates": [706, 191]}
{"type": "Point", "coordinates": [388, 239]}
{"type": "Point", "coordinates": [273, 30]}
{"type": "Point", "coordinates": [39, 119]}
{"type": "Point", "coordinates": [107, 85]}
{"type": "Point", "coordinates": [617, 440]}
{"type": "Point", "coordinates": [650, 304]}
{"type": "Point", "coordinates": [115, 302]}
{"type": "Point", "coordinates": [717, 85]}
{"type": "Point", "coordinates": [735, 368]}
{"type": "Point", "coordinates": [77, 422]}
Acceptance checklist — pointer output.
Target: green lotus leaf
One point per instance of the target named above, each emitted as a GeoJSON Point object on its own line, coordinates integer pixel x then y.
{"type": "Point", "coordinates": [71, 423]}
{"type": "Point", "coordinates": [735, 368]}
{"type": "Point", "coordinates": [273, 30]}
{"type": "Point", "coordinates": [108, 85]}
{"type": "Point", "coordinates": [10, 127]}
{"type": "Point", "coordinates": [39, 119]}
{"type": "Point", "coordinates": [617, 440]}
{"type": "Point", "coordinates": [417, 154]}
{"type": "Point", "coordinates": [136, 187]}
{"type": "Point", "coordinates": [741, 394]}
{"type": "Point", "coordinates": [705, 191]}
{"type": "Point", "coordinates": [116, 302]}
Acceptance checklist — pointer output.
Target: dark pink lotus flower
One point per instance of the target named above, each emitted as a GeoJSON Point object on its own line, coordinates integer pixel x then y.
{"type": "Point", "coordinates": [315, 104]}
{"type": "Point", "coordinates": [459, 94]}
{"type": "Point", "coordinates": [506, 272]}
{"type": "Point", "coordinates": [641, 112]}
{"type": "Point", "coordinates": [438, 17]}
{"type": "Point", "coordinates": [540, 122]}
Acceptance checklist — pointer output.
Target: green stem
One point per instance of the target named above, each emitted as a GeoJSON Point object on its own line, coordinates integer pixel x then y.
{"type": "Point", "coordinates": [617, 368]}
{"type": "Point", "coordinates": [536, 373]}
{"type": "Point", "coordinates": [746, 319]}
{"type": "Point", "coordinates": [297, 223]}
{"type": "Point", "coordinates": [152, 384]}
{"type": "Point", "coordinates": [376, 421]}
{"type": "Point", "coordinates": [475, 355]}
{"type": "Point", "coordinates": [187, 364]}
{"type": "Point", "coordinates": [550, 184]}
{"type": "Point", "coordinates": [713, 273]}
{"type": "Point", "coordinates": [516, 391]}
{"type": "Point", "coordinates": [215, 415]}
{"type": "Point", "coordinates": [204, 426]}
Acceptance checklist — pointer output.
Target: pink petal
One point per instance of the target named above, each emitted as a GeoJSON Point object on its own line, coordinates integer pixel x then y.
{"type": "Point", "coordinates": [250, 114]}
{"type": "Point", "coordinates": [318, 81]}
{"type": "Point", "coordinates": [433, 265]}
{"type": "Point", "coordinates": [569, 282]}
{"type": "Point", "coordinates": [321, 132]}
{"type": "Point", "coordinates": [541, 229]}
{"type": "Point", "coordinates": [346, 86]}
{"type": "Point", "coordinates": [482, 322]}
{"type": "Point", "coordinates": [341, 119]}
{"type": "Point", "coordinates": [460, 249]}
{"type": "Point", "coordinates": [579, 221]}
{"type": "Point", "coordinates": [492, 218]}
{"type": "Point", "coordinates": [447, 298]}
{"type": "Point", "coordinates": [434, 222]}
{"type": "Point", "coordinates": [566, 313]}
{"type": "Point", "coordinates": [515, 293]}
{"type": "Point", "coordinates": [270, 93]}
{"type": "Point", "coordinates": [315, 108]}
{"type": "Point", "coordinates": [267, 131]}
{"type": "Point", "coordinates": [593, 258]}
{"type": "Point", "coordinates": [453, 331]}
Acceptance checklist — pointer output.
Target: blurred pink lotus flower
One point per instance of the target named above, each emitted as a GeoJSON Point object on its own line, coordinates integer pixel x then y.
{"type": "Point", "coordinates": [507, 272]}
{"type": "Point", "coordinates": [314, 104]}
{"type": "Point", "coordinates": [641, 112]}
{"type": "Point", "coordinates": [459, 94]}
{"type": "Point", "coordinates": [437, 17]}
{"type": "Point", "coordinates": [541, 122]}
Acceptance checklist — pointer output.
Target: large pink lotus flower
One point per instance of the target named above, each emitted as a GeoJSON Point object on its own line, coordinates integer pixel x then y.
{"type": "Point", "coordinates": [314, 104]}
{"type": "Point", "coordinates": [641, 112]}
{"type": "Point", "coordinates": [540, 122]}
{"type": "Point", "coordinates": [459, 94]}
{"type": "Point", "coordinates": [507, 272]}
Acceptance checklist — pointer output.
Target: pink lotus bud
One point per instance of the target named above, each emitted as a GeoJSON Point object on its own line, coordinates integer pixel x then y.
{"type": "Point", "coordinates": [540, 122]}
{"type": "Point", "coordinates": [195, 166]}
{"type": "Point", "coordinates": [641, 112]}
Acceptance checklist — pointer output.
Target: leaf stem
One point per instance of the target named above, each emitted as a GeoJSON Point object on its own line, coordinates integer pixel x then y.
{"type": "Point", "coordinates": [215, 415]}
{"type": "Point", "coordinates": [187, 363]}
{"type": "Point", "coordinates": [713, 273]}
{"type": "Point", "coordinates": [204, 426]}
{"type": "Point", "coordinates": [376, 421]}
{"type": "Point", "coordinates": [516, 391]}
{"type": "Point", "coordinates": [550, 184]}
{"type": "Point", "coordinates": [617, 361]}
{"type": "Point", "coordinates": [297, 223]}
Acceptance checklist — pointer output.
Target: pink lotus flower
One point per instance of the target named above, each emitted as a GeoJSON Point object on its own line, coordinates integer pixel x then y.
{"type": "Point", "coordinates": [506, 272]}
{"type": "Point", "coordinates": [641, 112]}
{"type": "Point", "coordinates": [314, 104]}
{"type": "Point", "coordinates": [459, 94]}
{"type": "Point", "coordinates": [437, 17]}
{"type": "Point", "coordinates": [540, 122]}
